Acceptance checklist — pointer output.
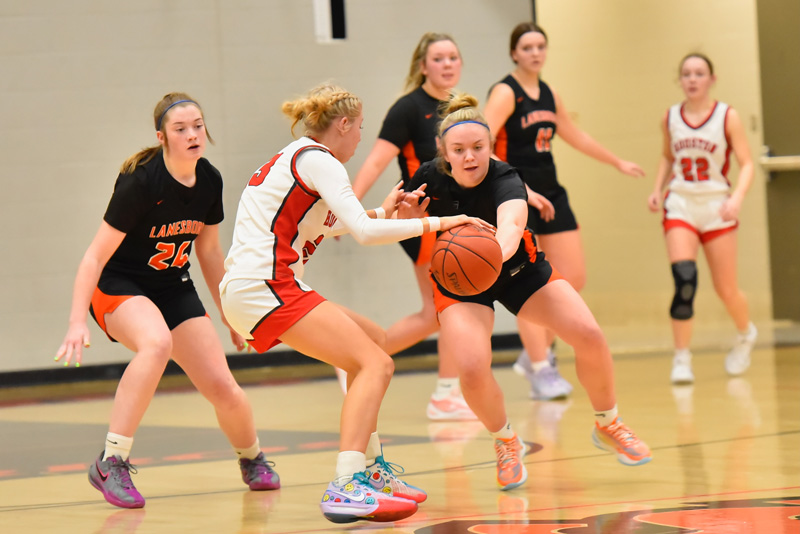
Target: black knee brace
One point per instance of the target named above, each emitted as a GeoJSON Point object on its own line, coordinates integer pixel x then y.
{"type": "Point", "coordinates": [685, 275]}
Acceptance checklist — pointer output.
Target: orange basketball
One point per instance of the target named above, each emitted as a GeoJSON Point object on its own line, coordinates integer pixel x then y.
{"type": "Point", "coordinates": [466, 260]}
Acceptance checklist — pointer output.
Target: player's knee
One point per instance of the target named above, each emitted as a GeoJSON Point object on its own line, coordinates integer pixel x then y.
{"type": "Point", "coordinates": [685, 275]}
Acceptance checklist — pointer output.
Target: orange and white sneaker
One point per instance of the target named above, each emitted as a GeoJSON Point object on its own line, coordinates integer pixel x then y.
{"type": "Point", "coordinates": [450, 407]}
{"type": "Point", "coordinates": [621, 440]}
{"type": "Point", "coordinates": [511, 472]}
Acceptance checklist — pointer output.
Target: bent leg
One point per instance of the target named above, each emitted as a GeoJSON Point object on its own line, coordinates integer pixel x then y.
{"type": "Point", "coordinates": [199, 352]}
{"type": "Point", "coordinates": [721, 254]}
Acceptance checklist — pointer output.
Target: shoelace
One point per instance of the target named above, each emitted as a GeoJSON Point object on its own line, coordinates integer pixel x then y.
{"type": "Point", "coordinates": [621, 432]}
{"type": "Point", "coordinates": [506, 450]}
{"type": "Point", "coordinates": [390, 467]}
{"type": "Point", "coordinates": [361, 478]}
{"type": "Point", "coordinates": [122, 470]}
{"type": "Point", "coordinates": [549, 374]}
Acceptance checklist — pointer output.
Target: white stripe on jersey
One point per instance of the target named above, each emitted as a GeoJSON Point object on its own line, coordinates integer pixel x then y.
{"type": "Point", "coordinates": [702, 152]}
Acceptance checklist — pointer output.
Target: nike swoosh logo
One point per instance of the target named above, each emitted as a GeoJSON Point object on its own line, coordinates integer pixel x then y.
{"type": "Point", "coordinates": [112, 442]}
{"type": "Point", "coordinates": [159, 202]}
{"type": "Point", "coordinates": [354, 497]}
{"type": "Point", "coordinates": [429, 115]}
{"type": "Point", "coordinates": [103, 477]}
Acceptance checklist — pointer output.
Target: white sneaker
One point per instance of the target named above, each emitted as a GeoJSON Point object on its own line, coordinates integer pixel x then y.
{"type": "Point", "coordinates": [450, 407]}
{"type": "Point", "coordinates": [738, 359]}
{"type": "Point", "coordinates": [523, 364]}
{"type": "Point", "coordinates": [682, 368]}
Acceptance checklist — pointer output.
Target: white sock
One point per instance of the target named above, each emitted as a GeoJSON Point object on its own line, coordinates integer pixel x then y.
{"type": "Point", "coordinates": [538, 366]}
{"type": "Point", "coordinates": [374, 448]}
{"type": "Point", "coordinates": [117, 445]}
{"type": "Point", "coordinates": [683, 354]}
{"type": "Point", "coordinates": [444, 386]}
{"type": "Point", "coordinates": [606, 417]}
{"type": "Point", "coordinates": [250, 452]}
{"type": "Point", "coordinates": [347, 464]}
{"type": "Point", "coordinates": [505, 433]}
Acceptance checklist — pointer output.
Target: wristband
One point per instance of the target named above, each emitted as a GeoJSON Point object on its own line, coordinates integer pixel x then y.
{"type": "Point", "coordinates": [380, 213]}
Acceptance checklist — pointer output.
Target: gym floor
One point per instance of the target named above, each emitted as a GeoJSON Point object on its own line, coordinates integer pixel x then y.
{"type": "Point", "coordinates": [724, 456]}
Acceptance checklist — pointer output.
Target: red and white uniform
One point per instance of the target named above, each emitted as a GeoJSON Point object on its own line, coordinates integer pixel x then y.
{"type": "Point", "coordinates": [699, 184]}
{"type": "Point", "coordinates": [290, 204]}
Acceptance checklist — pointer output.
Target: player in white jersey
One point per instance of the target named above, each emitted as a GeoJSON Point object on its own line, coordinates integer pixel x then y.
{"type": "Point", "coordinates": [701, 208]}
{"type": "Point", "coordinates": [289, 206]}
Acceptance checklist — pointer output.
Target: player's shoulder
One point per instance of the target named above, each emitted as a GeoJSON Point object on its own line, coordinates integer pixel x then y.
{"type": "Point", "coordinates": [208, 169]}
{"type": "Point", "coordinates": [500, 169]}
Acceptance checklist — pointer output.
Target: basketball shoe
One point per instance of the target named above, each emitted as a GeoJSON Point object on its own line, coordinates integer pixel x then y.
{"type": "Point", "coordinates": [738, 359]}
{"type": "Point", "coordinates": [356, 500]}
{"type": "Point", "coordinates": [511, 472]}
{"type": "Point", "coordinates": [258, 473]}
{"type": "Point", "coordinates": [450, 407]}
{"type": "Point", "coordinates": [547, 383]}
{"type": "Point", "coordinates": [382, 478]}
{"type": "Point", "coordinates": [113, 478]}
{"type": "Point", "coordinates": [621, 440]}
{"type": "Point", "coordinates": [682, 367]}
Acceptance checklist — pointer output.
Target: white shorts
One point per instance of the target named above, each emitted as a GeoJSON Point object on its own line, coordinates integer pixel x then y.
{"type": "Point", "coordinates": [262, 310]}
{"type": "Point", "coordinates": [698, 213]}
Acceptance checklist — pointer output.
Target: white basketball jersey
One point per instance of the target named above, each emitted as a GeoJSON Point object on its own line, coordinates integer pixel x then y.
{"type": "Point", "coordinates": [701, 152]}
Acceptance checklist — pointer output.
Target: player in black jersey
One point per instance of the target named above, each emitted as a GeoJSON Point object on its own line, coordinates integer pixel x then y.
{"type": "Point", "coordinates": [466, 179]}
{"type": "Point", "coordinates": [134, 280]}
{"type": "Point", "coordinates": [524, 114]}
{"type": "Point", "coordinates": [408, 133]}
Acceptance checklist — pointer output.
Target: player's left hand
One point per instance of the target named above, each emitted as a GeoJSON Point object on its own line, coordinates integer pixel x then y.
{"type": "Point", "coordinates": [730, 208]}
{"type": "Point", "coordinates": [630, 168]}
{"type": "Point", "coordinates": [238, 341]}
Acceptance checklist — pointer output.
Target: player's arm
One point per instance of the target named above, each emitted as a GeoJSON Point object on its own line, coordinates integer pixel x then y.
{"type": "Point", "coordinates": [212, 264]}
{"type": "Point", "coordinates": [382, 153]}
{"type": "Point", "coordinates": [512, 216]}
{"type": "Point", "coordinates": [105, 242]}
{"type": "Point", "coordinates": [738, 140]}
{"type": "Point", "coordinates": [582, 141]}
{"type": "Point", "coordinates": [664, 168]}
{"type": "Point", "coordinates": [499, 107]}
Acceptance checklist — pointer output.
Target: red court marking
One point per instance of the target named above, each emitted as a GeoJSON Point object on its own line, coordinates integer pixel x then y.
{"type": "Point", "coordinates": [7, 473]}
{"type": "Point", "coordinates": [185, 457]}
{"type": "Point", "coordinates": [66, 468]}
{"type": "Point", "coordinates": [141, 461]}
{"type": "Point", "coordinates": [524, 529]}
{"type": "Point", "coordinates": [315, 445]}
{"type": "Point", "coordinates": [270, 450]}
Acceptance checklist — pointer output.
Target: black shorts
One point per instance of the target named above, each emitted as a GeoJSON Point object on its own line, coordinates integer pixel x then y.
{"type": "Point", "coordinates": [177, 302]}
{"type": "Point", "coordinates": [543, 180]}
{"type": "Point", "coordinates": [564, 219]}
{"type": "Point", "coordinates": [512, 289]}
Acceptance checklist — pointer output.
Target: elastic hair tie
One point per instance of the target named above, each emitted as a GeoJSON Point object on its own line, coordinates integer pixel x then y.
{"type": "Point", "coordinates": [161, 118]}
{"type": "Point", "coordinates": [464, 122]}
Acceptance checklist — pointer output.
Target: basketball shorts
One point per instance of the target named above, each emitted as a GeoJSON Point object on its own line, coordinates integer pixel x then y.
{"type": "Point", "coordinates": [420, 249]}
{"type": "Point", "coordinates": [564, 219]}
{"type": "Point", "coordinates": [177, 302]}
{"type": "Point", "coordinates": [512, 289]}
{"type": "Point", "coordinates": [698, 213]}
{"type": "Point", "coordinates": [262, 310]}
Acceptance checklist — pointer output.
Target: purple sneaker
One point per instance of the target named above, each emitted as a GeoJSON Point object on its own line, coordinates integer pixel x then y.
{"type": "Point", "coordinates": [258, 473]}
{"type": "Point", "coordinates": [113, 478]}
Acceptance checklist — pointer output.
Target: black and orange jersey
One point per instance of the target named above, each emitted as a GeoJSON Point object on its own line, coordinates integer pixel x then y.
{"type": "Point", "coordinates": [161, 218]}
{"type": "Point", "coordinates": [525, 139]}
{"type": "Point", "coordinates": [411, 125]}
{"type": "Point", "coordinates": [502, 183]}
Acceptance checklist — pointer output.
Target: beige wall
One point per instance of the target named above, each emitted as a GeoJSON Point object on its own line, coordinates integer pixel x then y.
{"type": "Point", "coordinates": [80, 80]}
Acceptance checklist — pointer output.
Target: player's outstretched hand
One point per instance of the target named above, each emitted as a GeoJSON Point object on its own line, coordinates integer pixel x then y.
{"type": "Point", "coordinates": [458, 220]}
{"type": "Point", "coordinates": [630, 168]}
{"type": "Point", "coordinates": [75, 341]}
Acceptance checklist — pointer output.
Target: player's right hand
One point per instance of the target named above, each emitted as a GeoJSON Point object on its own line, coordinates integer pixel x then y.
{"type": "Point", "coordinates": [75, 341]}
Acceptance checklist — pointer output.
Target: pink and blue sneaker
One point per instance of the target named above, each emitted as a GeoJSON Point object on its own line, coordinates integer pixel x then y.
{"type": "Point", "coordinates": [358, 500]}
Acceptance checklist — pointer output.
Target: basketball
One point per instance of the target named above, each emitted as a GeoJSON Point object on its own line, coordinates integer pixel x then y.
{"type": "Point", "coordinates": [466, 260]}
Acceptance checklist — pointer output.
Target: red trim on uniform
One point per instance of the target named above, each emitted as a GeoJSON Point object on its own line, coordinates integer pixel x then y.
{"type": "Point", "coordinates": [530, 245]}
{"type": "Point", "coordinates": [295, 304]}
{"type": "Point", "coordinates": [726, 165]}
{"type": "Point", "coordinates": [426, 245]}
{"type": "Point", "coordinates": [440, 301]}
{"type": "Point", "coordinates": [103, 304]}
{"type": "Point", "coordinates": [555, 275]}
{"type": "Point", "coordinates": [669, 224]}
{"type": "Point", "coordinates": [708, 118]}
{"type": "Point", "coordinates": [705, 237]}
{"type": "Point", "coordinates": [501, 144]}
{"type": "Point", "coordinates": [297, 174]}
{"type": "Point", "coordinates": [412, 161]}
{"type": "Point", "coordinates": [284, 227]}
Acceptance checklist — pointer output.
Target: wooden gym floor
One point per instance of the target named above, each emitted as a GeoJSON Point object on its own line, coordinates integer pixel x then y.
{"type": "Point", "coordinates": [725, 458]}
